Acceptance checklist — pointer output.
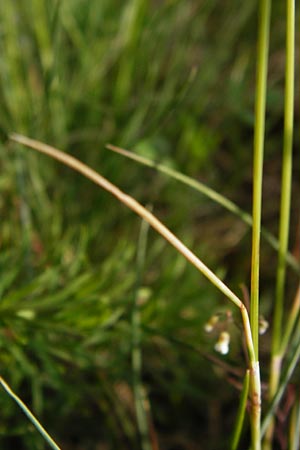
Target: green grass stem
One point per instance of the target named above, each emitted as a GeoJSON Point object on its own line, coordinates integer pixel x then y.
{"type": "Point", "coordinates": [294, 432]}
{"type": "Point", "coordinates": [276, 353]}
{"type": "Point", "coordinates": [286, 375]}
{"type": "Point", "coordinates": [29, 414]}
{"type": "Point", "coordinates": [286, 174]}
{"type": "Point", "coordinates": [137, 208]}
{"type": "Point", "coordinates": [140, 399]}
{"type": "Point", "coordinates": [259, 136]}
{"type": "Point", "coordinates": [209, 193]}
{"type": "Point", "coordinates": [290, 323]}
{"type": "Point", "coordinates": [241, 413]}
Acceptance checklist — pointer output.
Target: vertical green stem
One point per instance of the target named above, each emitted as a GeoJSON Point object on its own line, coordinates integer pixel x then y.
{"type": "Point", "coordinates": [294, 432]}
{"type": "Point", "coordinates": [241, 413]}
{"type": "Point", "coordinates": [277, 349]}
{"type": "Point", "coordinates": [290, 322]}
{"type": "Point", "coordinates": [259, 135]}
{"type": "Point", "coordinates": [136, 354]}
{"type": "Point", "coordinates": [286, 174]}
{"type": "Point", "coordinates": [255, 385]}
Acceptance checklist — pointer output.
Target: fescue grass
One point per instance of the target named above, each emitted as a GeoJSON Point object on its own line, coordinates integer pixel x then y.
{"type": "Point", "coordinates": [96, 324]}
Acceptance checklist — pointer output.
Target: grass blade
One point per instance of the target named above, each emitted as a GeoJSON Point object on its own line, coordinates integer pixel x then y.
{"type": "Point", "coordinates": [140, 398]}
{"type": "Point", "coordinates": [209, 193]}
{"type": "Point", "coordinates": [134, 206]}
{"type": "Point", "coordinates": [295, 427]}
{"type": "Point", "coordinates": [241, 412]}
{"type": "Point", "coordinates": [30, 416]}
{"type": "Point", "coordinates": [288, 372]}
{"type": "Point", "coordinates": [285, 206]}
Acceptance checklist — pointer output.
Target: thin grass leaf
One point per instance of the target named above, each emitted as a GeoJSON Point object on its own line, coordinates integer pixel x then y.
{"type": "Point", "coordinates": [286, 176]}
{"type": "Point", "coordinates": [30, 416]}
{"type": "Point", "coordinates": [285, 207]}
{"type": "Point", "coordinates": [294, 434]}
{"type": "Point", "coordinates": [290, 322]}
{"type": "Point", "coordinates": [264, 12]}
{"type": "Point", "coordinates": [134, 206]}
{"type": "Point", "coordinates": [136, 354]}
{"type": "Point", "coordinates": [286, 376]}
{"type": "Point", "coordinates": [241, 413]}
{"type": "Point", "coordinates": [209, 193]}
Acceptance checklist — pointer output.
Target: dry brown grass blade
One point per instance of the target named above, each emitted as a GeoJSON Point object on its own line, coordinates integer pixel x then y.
{"type": "Point", "coordinates": [133, 205]}
{"type": "Point", "coordinates": [255, 391]}
{"type": "Point", "coordinates": [141, 211]}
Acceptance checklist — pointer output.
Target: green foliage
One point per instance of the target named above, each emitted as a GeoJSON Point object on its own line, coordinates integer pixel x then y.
{"type": "Point", "coordinates": [174, 81]}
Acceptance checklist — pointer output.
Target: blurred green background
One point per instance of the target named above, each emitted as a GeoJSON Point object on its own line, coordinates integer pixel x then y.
{"type": "Point", "coordinates": [173, 81]}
